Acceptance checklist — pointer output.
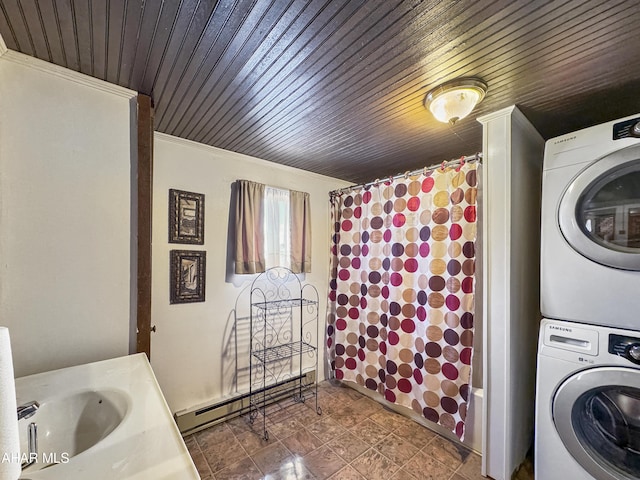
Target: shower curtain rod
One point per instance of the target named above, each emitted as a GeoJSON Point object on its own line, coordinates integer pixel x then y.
{"type": "Point", "coordinates": [456, 161]}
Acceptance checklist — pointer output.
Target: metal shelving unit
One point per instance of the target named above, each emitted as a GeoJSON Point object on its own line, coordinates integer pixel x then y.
{"type": "Point", "coordinates": [284, 341]}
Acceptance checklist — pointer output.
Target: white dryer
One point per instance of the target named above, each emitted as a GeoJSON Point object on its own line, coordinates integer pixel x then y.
{"type": "Point", "coordinates": [590, 250]}
{"type": "Point", "coordinates": [587, 403]}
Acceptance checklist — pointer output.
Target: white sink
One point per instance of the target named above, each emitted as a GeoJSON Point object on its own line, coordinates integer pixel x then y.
{"type": "Point", "coordinates": [72, 423]}
{"type": "Point", "coordinates": [104, 421]}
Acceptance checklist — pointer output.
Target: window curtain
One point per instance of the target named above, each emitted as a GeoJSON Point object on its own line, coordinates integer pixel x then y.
{"type": "Point", "coordinates": [273, 228]}
{"type": "Point", "coordinates": [401, 299]}
{"type": "Point", "coordinates": [300, 212]}
{"type": "Point", "coordinates": [249, 210]}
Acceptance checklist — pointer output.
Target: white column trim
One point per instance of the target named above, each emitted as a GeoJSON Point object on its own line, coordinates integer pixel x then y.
{"type": "Point", "coordinates": [512, 165]}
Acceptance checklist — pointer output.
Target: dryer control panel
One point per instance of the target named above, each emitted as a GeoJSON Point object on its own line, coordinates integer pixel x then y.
{"type": "Point", "coordinates": [627, 347]}
{"type": "Point", "coordinates": [626, 129]}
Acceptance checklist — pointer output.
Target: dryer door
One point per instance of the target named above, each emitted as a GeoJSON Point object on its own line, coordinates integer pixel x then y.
{"type": "Point", "coordinates": [599, 214]}
{"type": "Point", "coordinates": [597, 415]}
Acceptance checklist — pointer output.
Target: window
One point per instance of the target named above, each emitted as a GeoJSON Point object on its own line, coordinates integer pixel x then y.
{"type": "Point", "coordinates": [277, 240]}
{"type": "Point", "coordinates": [273, 228]}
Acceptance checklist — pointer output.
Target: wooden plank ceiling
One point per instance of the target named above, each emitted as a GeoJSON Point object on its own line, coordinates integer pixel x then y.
{"type": "Point", "coordinates": [337, 86]}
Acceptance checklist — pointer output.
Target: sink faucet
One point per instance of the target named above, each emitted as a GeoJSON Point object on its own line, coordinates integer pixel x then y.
{"type": "Point", "coordinates": [32, 445]}
{"type": "Point", "coordinates": [28, 410]}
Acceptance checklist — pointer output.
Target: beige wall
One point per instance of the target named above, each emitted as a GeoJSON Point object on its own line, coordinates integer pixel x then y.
{"type": "Point", "coordinates": [65, 170]}
{"type": "Point", "coordinates": [193, 351]}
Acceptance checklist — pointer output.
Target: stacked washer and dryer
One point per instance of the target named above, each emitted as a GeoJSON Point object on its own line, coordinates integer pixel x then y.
{"type": "Point", "coordinates": [588, 378]}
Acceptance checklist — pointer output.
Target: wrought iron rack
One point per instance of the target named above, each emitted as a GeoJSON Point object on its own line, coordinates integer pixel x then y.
{"type": "Point", "coordinates": [284, 341]}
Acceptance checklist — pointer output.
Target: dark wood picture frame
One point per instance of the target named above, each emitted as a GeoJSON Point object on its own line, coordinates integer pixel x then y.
{"type": "Point", "coordinates": [188, 274]}
{"type": "Point", "coordinates": [186, 217]}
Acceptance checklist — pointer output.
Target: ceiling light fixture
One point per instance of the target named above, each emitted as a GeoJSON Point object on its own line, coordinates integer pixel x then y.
{"type": "Point", "coordinates": [455, 99]}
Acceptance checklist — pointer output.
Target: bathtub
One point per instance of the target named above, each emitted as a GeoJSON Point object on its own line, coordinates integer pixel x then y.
{"type": "Point", "coordinates": [473, 431]}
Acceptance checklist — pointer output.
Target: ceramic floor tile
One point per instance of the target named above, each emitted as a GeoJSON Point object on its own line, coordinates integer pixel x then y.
{"type": "Point", "coordinates": [402, 421]}
{"type": "Point", "coordinates": [387, 419]}
{"type": "Point", "coordinates": [348, 446]}
{"type": "Point", "coordinates": [352, 393]}
{"type": "Point", "coordinates": [447, 452]}
{"type": "Point", "coordinates": [347, 473]}
{"type": "Point", "coordinates": [277, 415]}
{"type": "Point", "coordinates": [245, 469]}
{"type": "Point", "coordinates": [345, 395]}
{"type": "Point", "coordinates": [369, 432]}
{"type": "Point", "coordinates": [415, 433]}
{"type": "Point", "coordinates": [424, 467]}
{"type": "Point", "coordinates": [242, 424]}
{"type": "Point", "coordinates": [326, 388]}
{"type": "Point", "coordinates": [284, 427]}
{"type": "Point", "coordinates": [252, 442]}
{"type": "Point", "coordinates": [402, 474]}
{"type": "Point", "coordinates": [201, 464]}
{"type": "Point", "coordinates": [224, 455]}
{"type": "Point", "coordinates": [470, 468]}
{"type": "Point", "coordinates": [312, 416]}
{"type": "Point", "coordinates": [192, 445]}
{"type": "Point", "coordinates": [271, 458]}
{"type": "Point", "coordinates": [355, 438]}
{"type": "Point", "coordinates": [212, 436]}
{"type": "Point", "coordinates": [256, 426]}
{"type": "Point", "coordinates": [342, 391]}
{"type": "Point", "coordinates": [331, 405]}
{"type": "Point", "coordinates": [396, 449]}
{"type": "Point", "coordinates": [292, 469]}
{"type": "Point", "coordinates": [305, 413]}
{"type": "Point", "coordinates": [326, 429]}
{"type": "Point", "coordinates": [278, 406]}
{"type": "Point", "coordinates": [367, 406]}
{"type": "Point", "coordinates": [323, 462]}
{"type": "Point", "coordinates": [349, 416]}
{"type": "Point", "coordinates": [457, 476]}
{"type": "Point", "coordinates": [372, 465]}
{"type": "Point", "coordinates": [302, 442]}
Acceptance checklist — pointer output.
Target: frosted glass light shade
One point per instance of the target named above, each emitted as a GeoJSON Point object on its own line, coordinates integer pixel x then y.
{"type": "Point", "coordinates": [455, 100]}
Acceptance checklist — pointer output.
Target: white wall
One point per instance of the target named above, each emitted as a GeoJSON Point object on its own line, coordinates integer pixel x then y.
{"type": "Point", "coordinates": [192, 350]}
{"type": "Point", "coordinates": [65, 193]}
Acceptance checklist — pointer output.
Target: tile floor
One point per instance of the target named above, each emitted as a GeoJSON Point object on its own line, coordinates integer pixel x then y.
{"type": "Point", "coordinates": [355, 438]}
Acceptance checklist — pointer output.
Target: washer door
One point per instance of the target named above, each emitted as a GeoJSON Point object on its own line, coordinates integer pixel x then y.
{"type": "Point", "coordinates": [597, 415]}
{"type": "Point", "coordinates": [599, 214]}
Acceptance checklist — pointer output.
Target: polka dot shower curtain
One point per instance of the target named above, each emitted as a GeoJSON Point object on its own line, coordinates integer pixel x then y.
{"type": "Point", "coordinates": [401, 300]}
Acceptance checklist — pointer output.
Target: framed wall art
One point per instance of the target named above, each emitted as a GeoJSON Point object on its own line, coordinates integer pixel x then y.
{"type": "Point", "coordinates": [186, 217]}
{"type": "Point", "coordinates": [187, 272]}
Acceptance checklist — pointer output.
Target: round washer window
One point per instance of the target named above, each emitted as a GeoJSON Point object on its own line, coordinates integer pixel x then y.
{"type": "Point", "coordinates": [607, 424]}
{"type": "Point", "coordinates": [599, 213]}
{"type": "Point", "coordinates": [596, 413]}
{"type": "Point", "coordinates": [609, 211]}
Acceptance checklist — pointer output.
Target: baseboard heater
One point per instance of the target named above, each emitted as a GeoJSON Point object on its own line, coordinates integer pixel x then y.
{"type": "Point", "coordinates": [194, 419]}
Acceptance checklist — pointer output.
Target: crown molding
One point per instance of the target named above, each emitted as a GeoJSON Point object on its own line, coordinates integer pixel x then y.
{"type": "Point", "coordinates": [67, 74]}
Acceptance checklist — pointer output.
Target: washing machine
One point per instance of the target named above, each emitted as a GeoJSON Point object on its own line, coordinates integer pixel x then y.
{"type": "Point", "coordinates": [587, 403]}
{"type": "Point", "coordinates": [590, 244]}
